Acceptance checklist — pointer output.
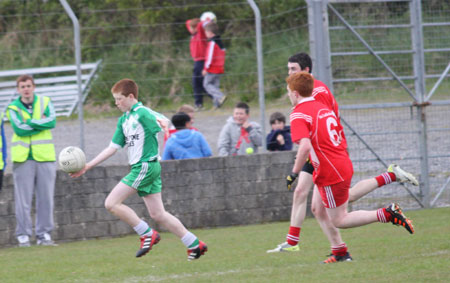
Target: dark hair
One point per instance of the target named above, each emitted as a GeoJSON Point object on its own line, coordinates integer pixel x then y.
{"type": "Point", "coordinates": [244, 106]}
{"type": "Point", "coordinates": [180, 119]}
{"type": "Point", "coordinates": [212, 27]}
{"type": "Point", "coordinates": [24, 78]}
{"type": "Point", "coordinates": [277, 116]}
{"type": "Point", "coordinates": [302, 59]}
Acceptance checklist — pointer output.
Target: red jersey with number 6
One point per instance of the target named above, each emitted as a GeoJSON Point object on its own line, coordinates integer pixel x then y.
{"type": "Point", "coordinates": [312, 119]}
{"type": "Point", "coordinates": [323, 94]}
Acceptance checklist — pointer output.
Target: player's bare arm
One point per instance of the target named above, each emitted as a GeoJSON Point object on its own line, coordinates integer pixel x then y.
{"type": "Point", "coordinates": [102, 156]}
{"type": "Point", "coordinates": [300, 160]}
{"type": "Point", "coordinates": [164, 124]}
{"type": "Point", "coordinates": [302, 155]}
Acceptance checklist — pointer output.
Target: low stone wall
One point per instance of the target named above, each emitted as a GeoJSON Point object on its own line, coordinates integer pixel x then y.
{"type": "Point", "coordinates": [209, 192]}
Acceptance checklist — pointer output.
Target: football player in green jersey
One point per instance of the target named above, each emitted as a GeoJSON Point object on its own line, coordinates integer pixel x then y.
{"type": "Point", "coordinates": [137, 129]}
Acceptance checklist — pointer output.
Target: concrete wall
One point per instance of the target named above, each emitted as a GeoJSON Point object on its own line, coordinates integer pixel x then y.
{"type": "Point", "coordinates": [210, 192]}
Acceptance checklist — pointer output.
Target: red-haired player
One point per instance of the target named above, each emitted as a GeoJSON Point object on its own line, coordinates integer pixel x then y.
{"type": "Point", "coordinates": [318, 131]}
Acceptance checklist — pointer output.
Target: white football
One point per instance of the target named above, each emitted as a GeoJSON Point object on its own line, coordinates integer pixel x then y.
{"type": "Point", "coordinates": [72, 159]}
{"type": "Point", "coordinates": [208, 16]}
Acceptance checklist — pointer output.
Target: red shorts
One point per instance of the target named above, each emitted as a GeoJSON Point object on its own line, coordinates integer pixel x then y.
{"type": "Point", "coordinates": [335, 195]}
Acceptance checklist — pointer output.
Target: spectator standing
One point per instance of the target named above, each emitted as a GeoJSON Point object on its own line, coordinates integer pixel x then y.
{"type": "Point", "coordinates": [186, 142]}
{"type": "Point", "coordinates": [33, 155]}
{"type": "Point", "coordinates": [279, 139]}
{"type": "Point", "coordinates": [214, 64]}
{"type": "Point", "coordinates": [197, 46]}
{"type": "Point", "coordinates": [239, 133]}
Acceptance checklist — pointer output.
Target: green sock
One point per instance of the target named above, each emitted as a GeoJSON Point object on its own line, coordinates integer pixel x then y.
{"type": "Point", "coordinates": [148, 232]}
{"type": "Point", "coordinates": [194, 244]}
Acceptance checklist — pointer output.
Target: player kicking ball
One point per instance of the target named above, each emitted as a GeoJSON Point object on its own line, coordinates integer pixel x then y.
{"type": "Point", "coordinates": [318, 132]}
{"type": "Point", "coordinates": [137, 129]}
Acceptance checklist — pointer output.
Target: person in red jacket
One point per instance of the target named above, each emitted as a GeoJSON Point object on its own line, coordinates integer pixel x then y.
{"type": "Point", "coordinates": [214, 64]}
{"type": "Point", "coordinates": [197, 46]}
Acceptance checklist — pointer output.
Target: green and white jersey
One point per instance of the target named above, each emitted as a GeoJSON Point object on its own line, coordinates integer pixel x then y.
{"type": "Point", "coordinates": [138, 129]}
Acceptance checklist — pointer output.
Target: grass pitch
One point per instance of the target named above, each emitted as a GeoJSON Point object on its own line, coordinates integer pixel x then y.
{"type": "Point", "coordinates": [381, 252]}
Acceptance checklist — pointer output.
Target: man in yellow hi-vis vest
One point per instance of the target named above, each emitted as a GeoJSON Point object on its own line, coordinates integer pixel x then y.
{"type": "Point", "coordinates": [33, 156]}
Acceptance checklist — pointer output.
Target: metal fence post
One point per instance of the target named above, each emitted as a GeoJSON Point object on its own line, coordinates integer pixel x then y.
{"type": "Point", "coordinates": [319, 42]}
{"type": "Point", "coordinates": [419, 84]}
{"type": "Point", "coordinates": [259, 57]}
{"type": "Point", "coordinates": [76, 31]}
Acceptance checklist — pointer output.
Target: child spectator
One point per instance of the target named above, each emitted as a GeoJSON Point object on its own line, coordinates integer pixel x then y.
{"type": "Point", "coordinates": [214, 64]}
{"type": "Point", "coordinates": [188, 109]}
{"type": "Point", "coordinates": [239, 133]}
{"type": "Point", "coordinates": [197, 45]}
{"type": "Point", "coordinates": [186, 142]}
{"type": "Point", "coordinates": [279, 138]}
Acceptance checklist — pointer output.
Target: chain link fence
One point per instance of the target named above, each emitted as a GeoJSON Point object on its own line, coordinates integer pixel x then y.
{"type": "Point", "coordinates": [391, 117]}
{"type": "Point", "coordinates": [383, 120]}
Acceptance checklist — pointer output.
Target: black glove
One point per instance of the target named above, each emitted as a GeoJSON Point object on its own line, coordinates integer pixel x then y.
{"type": "Point", "coordinates": [291, 179]}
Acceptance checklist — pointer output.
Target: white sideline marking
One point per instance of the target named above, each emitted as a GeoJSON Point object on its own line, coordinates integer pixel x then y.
{"type": "Point", "coordinates": [152, 278]}
{"type": "Point", "coordinates": [442, 252]}
{"type": "Point", "coordinates": [155, 278]}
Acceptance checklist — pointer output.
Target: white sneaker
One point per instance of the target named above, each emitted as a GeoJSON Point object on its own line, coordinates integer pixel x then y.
{"type": "Point", "coordinates": [222, 100]}
{"type": "Point", "coordinates": [24, 241]}
{"type": "Point", "coordinates": [45, 240]}
{"type": "Point", "coordinates": [402, 176]}
{"type": "Point", "coordinates": [285, 247]}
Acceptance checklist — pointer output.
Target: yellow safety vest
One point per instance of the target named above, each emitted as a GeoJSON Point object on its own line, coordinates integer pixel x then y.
{"type": "Point", "coordinates": [42, 148]}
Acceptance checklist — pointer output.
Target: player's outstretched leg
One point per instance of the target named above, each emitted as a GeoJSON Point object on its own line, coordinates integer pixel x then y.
{"type": "Point", "coordinates": [398, 218]}
{"type": "Point", "coordinates": [147, 243]}
{"type": "Point", "coordinates": [197, 251]}
{"type": "Point", "coordinates": [402, 176]}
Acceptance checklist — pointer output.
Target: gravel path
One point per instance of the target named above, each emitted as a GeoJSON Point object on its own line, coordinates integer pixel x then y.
{"type": "Point", "coordinates": [98, 132]}
{"type": "Point", "coordinates": [398, 143]}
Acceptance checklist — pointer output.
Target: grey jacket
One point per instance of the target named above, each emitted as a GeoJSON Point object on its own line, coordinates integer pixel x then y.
{"type": "Point", "coordinates": [229, 137]}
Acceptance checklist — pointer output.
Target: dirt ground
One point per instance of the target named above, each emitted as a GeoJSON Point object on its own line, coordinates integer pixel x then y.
{"type": "Point", "coordinates": [98, 132]}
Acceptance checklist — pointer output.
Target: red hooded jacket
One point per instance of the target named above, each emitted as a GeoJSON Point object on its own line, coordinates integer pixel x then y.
{"type": "Point", "coordinates": [215, 56]}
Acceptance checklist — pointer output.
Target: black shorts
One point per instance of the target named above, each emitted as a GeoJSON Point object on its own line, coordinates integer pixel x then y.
{"type": "Point", "coordinates": [308, 167]}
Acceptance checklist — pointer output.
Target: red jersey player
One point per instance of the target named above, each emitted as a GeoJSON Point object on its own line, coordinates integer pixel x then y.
{"type": "Point", "coordinates": [302, 62]}
{"type": "Point", "coordinates": [318, 131]}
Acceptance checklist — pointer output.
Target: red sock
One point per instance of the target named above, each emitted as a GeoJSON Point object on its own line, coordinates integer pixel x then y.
{"type": "Point", "coordinates": [383, 216]}
{"type": "Point", "coordinates": [385, 178]}
{"type": "Point", "coordinates": [340, 250]}
{"type": "Point", "coordinates": [293, 236]}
